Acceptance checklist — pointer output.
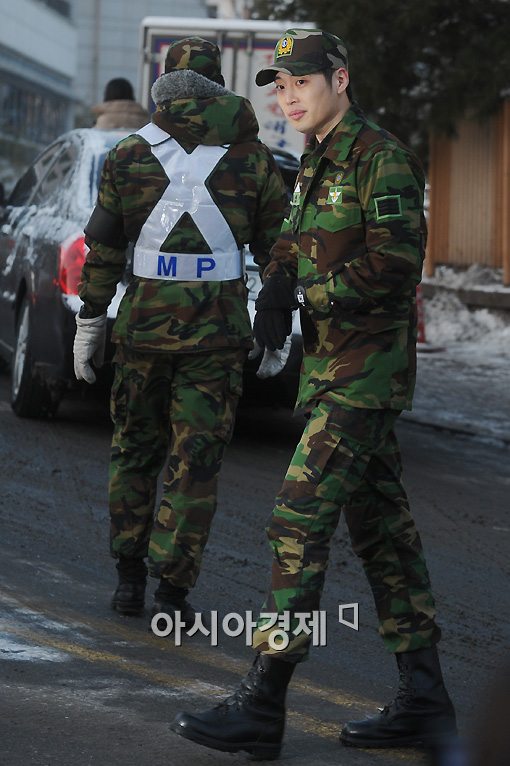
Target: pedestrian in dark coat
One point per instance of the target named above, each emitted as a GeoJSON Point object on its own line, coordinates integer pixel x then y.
{"type": "Point", "coordinates": [119, 108]}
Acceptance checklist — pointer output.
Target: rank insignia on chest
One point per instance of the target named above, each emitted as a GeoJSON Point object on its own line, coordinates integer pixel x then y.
{"type": "Point", "coordinates": [296, 195]}
{"type": "Point", "coordinates": [334, 196]}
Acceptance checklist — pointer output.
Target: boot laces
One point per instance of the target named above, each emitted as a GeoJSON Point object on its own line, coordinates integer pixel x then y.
{"type": "Point", "coordinates": [248, 688]}
{"type": "Point", "coordinates": [405, 692]}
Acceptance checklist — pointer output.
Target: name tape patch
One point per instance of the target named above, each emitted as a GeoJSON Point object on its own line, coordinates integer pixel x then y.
{"type": "Point", "coordinates": [389, 206]}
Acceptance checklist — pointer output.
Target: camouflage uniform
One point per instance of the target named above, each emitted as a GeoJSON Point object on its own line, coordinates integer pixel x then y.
{"type": "Point", "coordinates": [354, 241]}
{"type": "Point", "coordinates": [181, 345]}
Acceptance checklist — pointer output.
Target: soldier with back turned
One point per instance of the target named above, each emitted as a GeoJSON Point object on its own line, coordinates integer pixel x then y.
{"type": "Point", "coordinates": [189, 189]}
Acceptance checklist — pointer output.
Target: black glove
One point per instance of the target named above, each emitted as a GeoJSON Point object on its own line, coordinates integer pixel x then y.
{"type": "Point", "coordinates": [274, 304]}
{"type": "Point", "coordinates": [271, 327]}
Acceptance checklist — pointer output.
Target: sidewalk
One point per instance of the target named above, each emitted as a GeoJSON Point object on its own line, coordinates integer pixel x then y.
{"type": "Point", "coordinates": [464, 390]}
{"type": "Point", "coordinates": [463, 382]}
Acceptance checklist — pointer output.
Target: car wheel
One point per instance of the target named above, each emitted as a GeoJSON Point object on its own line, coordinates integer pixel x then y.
{"type": "Point", "coordinates": [30, 395]}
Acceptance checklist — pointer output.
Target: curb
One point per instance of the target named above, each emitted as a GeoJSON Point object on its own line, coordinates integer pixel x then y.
{"type": "Point", "coordinates": [438, 425]}
{"type": "Point", "coordinates": [491, 297]}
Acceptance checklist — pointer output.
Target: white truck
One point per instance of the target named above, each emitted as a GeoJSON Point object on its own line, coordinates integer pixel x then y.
{"type": "Point", "coordinates": [246, 46]}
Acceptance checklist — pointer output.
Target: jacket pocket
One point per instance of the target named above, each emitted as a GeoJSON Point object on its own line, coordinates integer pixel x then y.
{"type": "Point", "coordinates": [332, 218]}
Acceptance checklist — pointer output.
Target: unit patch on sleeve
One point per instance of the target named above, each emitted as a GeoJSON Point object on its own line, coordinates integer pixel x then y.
{"type": "Point", "coordinates": [389, 206]}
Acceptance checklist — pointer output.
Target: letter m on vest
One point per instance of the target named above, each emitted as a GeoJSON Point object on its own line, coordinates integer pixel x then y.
{"type": "Point", "coordinates": [167, 265]}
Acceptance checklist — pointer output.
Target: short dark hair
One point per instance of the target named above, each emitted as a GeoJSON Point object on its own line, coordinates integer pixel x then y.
{"type": "Point", "coordinates": [328, 74]}
{"type": "Point", "coordinates": [118, 89]}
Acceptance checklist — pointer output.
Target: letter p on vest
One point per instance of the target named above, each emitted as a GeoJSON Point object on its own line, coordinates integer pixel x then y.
{"type": "Point", "coordinates": [205, 264]}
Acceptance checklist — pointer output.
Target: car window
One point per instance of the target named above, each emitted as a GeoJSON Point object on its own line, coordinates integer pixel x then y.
{"type": "Point", "coordinates": [24, 189]}
{"type": "Point", "coordinates": [55, 179]}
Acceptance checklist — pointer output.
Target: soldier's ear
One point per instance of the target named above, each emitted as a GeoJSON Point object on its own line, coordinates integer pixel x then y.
{"type": "Point", "coordinates": [341, 80]}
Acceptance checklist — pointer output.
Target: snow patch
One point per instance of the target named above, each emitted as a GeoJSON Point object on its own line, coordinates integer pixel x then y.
{"type": "Point", "coordinates": [476, 276]}
{"type": "Point", "coordinates": [22, 652]}
{"type": "Point", "coordinates": [449, 321]}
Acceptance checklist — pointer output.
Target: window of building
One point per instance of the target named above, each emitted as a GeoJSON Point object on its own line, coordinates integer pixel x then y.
{"type": "Point", "coordinates": [63, 7]}
{"type": "Point", "coordinates": [34, 115]}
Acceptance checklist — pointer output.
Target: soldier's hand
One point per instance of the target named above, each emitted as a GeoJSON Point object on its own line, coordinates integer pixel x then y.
{"type": "Point", "coordinates": [272, 362]}
{"type": "Point", "coordinates": [274, 304]}
{"type": "Point", "coordinates": [89, 345]}
{"type": "Point", "coordinates": [271, 327]}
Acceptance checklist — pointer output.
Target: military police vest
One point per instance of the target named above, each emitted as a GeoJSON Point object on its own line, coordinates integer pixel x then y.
{"type": "Point", "coordinates": [185, 193]}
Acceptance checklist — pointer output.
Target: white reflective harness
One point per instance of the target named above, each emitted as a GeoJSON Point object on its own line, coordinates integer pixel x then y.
{"type": "Point", "coordinates": [186, 193]}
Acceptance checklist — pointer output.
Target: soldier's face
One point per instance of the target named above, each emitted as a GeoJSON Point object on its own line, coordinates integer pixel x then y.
{"type": "Point", "coordinates": [311, 103]}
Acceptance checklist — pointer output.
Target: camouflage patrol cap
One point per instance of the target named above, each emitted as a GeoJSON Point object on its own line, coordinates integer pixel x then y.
{"type": "Point", "coordinates": [305, 51]}
{"type": "Point", "coordinates": [197, 54]}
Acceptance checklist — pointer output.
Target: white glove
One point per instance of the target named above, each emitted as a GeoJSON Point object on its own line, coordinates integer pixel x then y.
{"type": "Point", "coordinates": [89, 344]}
{"type": "Point", "coordinates": [272, 362]}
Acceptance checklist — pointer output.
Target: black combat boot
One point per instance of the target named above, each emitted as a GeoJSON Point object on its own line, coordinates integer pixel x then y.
{"type": "Point", "coordinates": [169, 599]}
{"type": "Point", "coordinates": [129, 597]}
{"type": "Point", "coordinates": [421, 715]}
{"type": "Point", "coordinates": [252, 719]}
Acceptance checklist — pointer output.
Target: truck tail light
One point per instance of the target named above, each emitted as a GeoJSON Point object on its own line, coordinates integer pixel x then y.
{"type": "Point", "coordinates": [71, 260]}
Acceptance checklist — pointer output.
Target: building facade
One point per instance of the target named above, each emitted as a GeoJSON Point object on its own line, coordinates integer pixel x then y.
{"type": "Point", "coordinates": [109, 43]}
{"type": "Point", "coordinates": [37, 68]}
{"type": "Point", "coordinates": [469, 215]}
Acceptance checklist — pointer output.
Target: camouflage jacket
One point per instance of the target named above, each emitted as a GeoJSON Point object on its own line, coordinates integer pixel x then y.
{"type": "Point", "coordinates": [355, 239]}
{"type": "Point", "coordinates": [165, 315]}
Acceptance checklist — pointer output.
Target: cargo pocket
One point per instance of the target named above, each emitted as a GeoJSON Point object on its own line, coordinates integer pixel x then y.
{"type": "Point", "coordinates": [233, 388]}
{"type": "Point", "coordinates": [118, 399]}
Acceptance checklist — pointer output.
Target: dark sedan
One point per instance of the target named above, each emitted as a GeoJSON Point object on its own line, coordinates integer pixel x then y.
{"type": "Point", "coordinates": [42, 251]}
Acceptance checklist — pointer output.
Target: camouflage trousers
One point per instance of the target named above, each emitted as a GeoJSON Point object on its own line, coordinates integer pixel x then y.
{"type": "Point", "coordinates": [172, 414]}
{"type": "Point", "coordinates": [347, 458]}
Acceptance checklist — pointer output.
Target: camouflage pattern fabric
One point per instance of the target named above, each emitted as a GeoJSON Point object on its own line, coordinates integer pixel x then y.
{"type": "Point", "coordinates": [180, 345]}
{"type": "Point", "coordinates": [305, 51]}
{"type": "Point", "coordinates": [197, 54]}
{"type": "Point", "coordinates": [183, 406]}
{"type": "Point", "coordinates": [160, 315]}
{"type": "Point", "coordinates": [355, 240]}
{"type": "Point", "coordinates": [348, 457]}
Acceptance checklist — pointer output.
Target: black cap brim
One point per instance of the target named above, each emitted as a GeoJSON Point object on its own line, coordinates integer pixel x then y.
{"type": "Point", "coordinates": [265, 76]}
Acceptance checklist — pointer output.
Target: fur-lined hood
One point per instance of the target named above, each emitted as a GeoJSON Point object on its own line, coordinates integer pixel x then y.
{"type": "Point", "coordinates": [196, 110]}
{"type": "Point", "coordinates": [185, 83]}
{"type": "Point", "coordinates": [121, 113]}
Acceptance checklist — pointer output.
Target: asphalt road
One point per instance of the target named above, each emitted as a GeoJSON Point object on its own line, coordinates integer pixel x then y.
{"type": "Point", "coordinates": [82, 685]}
